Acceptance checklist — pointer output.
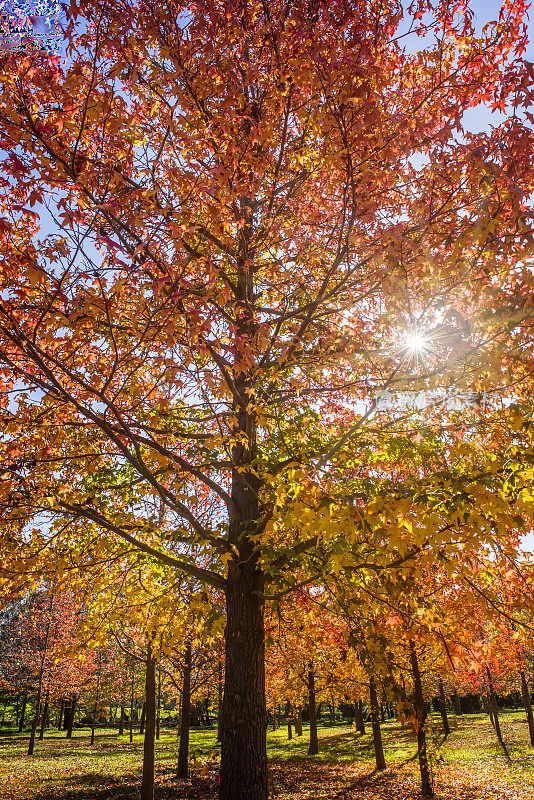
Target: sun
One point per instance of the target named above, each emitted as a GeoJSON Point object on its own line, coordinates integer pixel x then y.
{"type": "Point", "coordinates": [416, 343]}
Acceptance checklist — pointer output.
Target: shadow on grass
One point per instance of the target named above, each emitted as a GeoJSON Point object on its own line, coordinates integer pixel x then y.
{"type": "Point", "coordinates": [95, 786]}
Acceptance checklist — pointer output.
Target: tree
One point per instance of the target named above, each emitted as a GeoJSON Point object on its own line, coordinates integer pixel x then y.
{"type": "Point", "coordinates": [236, 212]}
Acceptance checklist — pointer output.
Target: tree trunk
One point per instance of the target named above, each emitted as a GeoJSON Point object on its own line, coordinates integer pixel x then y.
{"type": "Point", "coordinates": [35, 722]}
{"type": "Point", "coordinates": [314, 739]}
{"type": "Point", "coordinates": [220, 695]}
{"type": "Point", "coordinates": [158, 720]}
{"type": "Point", "coordinates": [142, 720]}
{"type": "Point", "coordinates": [443, 709]}
{"type": "Point", "coordinates": [45, 715]}
{"type": "Point", "coordinates": [132, 703]}
{"type": "Point", "coordinates": [427, 790]}
{"type": "Point", "coordinates": [183, 753]}
{"type": "Point", "coordinates": [72, 712]}
{"type": "Point", "coordinates": [457, 704]}
{"type": "Point", "coordinates": [23, 711]}
{"type": "Point", "coordinates": [298, 722]}
{"type": "Point", "coordinates": [493, 706]}
{"type": "Point", "coordinates": [358, 717]}
{"type": "Point", "coordinates": [332, 707]}
{"type": "Point", "coordinates": [207, 711]}
{"type": "Point", "coordinates": [121, 720]}
{"type": "Point", "coordinates": [375, 723]}
{"type": "Point", "coordinates": [243, 774]}
{"type": "Point", "coordinates": [244, 733]}
{"type": "Point", "coordinates": [288, 720]}
{"type": "Point", "coordinates": [95, 708]}
{"type": "Point", "coordinates": [147, 786]}
{"type": "Point", "coordinates": [60, 717]}
{"type": "Point", "coordinates": [525, 693]}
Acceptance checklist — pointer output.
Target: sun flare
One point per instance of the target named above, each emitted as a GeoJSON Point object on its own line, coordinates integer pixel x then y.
{"type": "Point", "coordinates": [416, 342]}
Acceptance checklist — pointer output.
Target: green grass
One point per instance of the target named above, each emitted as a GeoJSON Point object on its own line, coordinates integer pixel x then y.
{"type": "Point", "coordinates": [469, 765]}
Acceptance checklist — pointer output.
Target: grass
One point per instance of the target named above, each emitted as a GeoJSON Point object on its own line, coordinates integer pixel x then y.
{"type": "Point", "coordinates": [469, 765]}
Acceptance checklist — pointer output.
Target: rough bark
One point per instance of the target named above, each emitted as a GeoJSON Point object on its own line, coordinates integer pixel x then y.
{"type": "Point", "coordinates": [147, 786]}
{"type": "Point", "coordinates": [185, 714]}
{"type": "Point", "coordinates": [244, 732]}
{"type": "Point", "coordinates": [443, 709]}
{"type": "Point", "coordinates": [427, 789]}
{"type": "Point", "coordinates": [312, 708]}
{"type": "Point", "coordinates": [525, 693]}
{"type": "Point", "coordinates": [45, 715]}
{"type": "Point", "coordinates": [243, 773]}
{"type": "Point", "coordinates": [375, 723]}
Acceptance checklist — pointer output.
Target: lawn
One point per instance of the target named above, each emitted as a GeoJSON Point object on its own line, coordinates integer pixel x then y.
{"type": "Point", "coordinates": [470, 765]}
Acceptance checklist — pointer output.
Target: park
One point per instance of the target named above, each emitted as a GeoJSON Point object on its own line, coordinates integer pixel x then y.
{"type": "Point", "coordinates": [266, 380]}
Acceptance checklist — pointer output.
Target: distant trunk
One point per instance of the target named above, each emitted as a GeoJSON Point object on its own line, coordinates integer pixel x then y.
{"type": "Point", "coordinates": [457, 704]}
{"type": "Point", "coordinates": [314, 739]}
{"type": "Point", "coordinates": [35, 722]}
{"type": "Point", "coordinates": [147, 787]}
{"type": "Point", "coordinates": [142, 720]}
{"type": "Point", "coordinates": [288, 720]}
{"type": "Point", "coordinates": [158, 719]}
{"type": "Point", "coordinates": [358, 717]}
{"type": "Point", "coordinates": [121, 720]}
{"type": "Point", "coordinates": [525, 693]}
{"type": "Point", "coordinates": [220, 696]}
{"type": "Point", "coordinates": [60, 717]}
{"type": "Point", "coordinates": [332, 706]}
{"type": "Point", "coordinates": [95, 707]}
{"type": "Point", "coordinates": [207, 711]}
{"type": "Point", "coordinates": [70, 719]}
{"type": "Point", "coordinates": [427, 790]}
{"type": "Point", "coordinates": [298, 722]}
{"type": "Point", "coordinates": [45, 715]}
{"type": "Point", "coordinates": [443, 709]}
{"type": "Point", "coordinates": [183, 753]}
{"type": "Point", "coordinates": [375, 722]}
{"type": "Point", "coordinates": [493, 706]}
{"type": "Point", "coordinates": [23, 711]}
{"type": "Point", "coordinates": [132, 703]}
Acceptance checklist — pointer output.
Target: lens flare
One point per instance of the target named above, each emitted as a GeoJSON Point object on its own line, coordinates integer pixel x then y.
{"type": "Point", "coordinates": [416, 342]}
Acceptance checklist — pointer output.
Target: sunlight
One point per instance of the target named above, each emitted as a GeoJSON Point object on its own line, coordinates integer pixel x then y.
{"type": "Point", "coordinates": [416, 342]}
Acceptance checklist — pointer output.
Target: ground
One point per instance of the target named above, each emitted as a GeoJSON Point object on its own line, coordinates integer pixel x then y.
{"type": "Point", "coordinates": [470, 765]}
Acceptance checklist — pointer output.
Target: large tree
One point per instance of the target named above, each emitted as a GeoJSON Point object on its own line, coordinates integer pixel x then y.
{"type": "Point", "coordinates": [241, 203]}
